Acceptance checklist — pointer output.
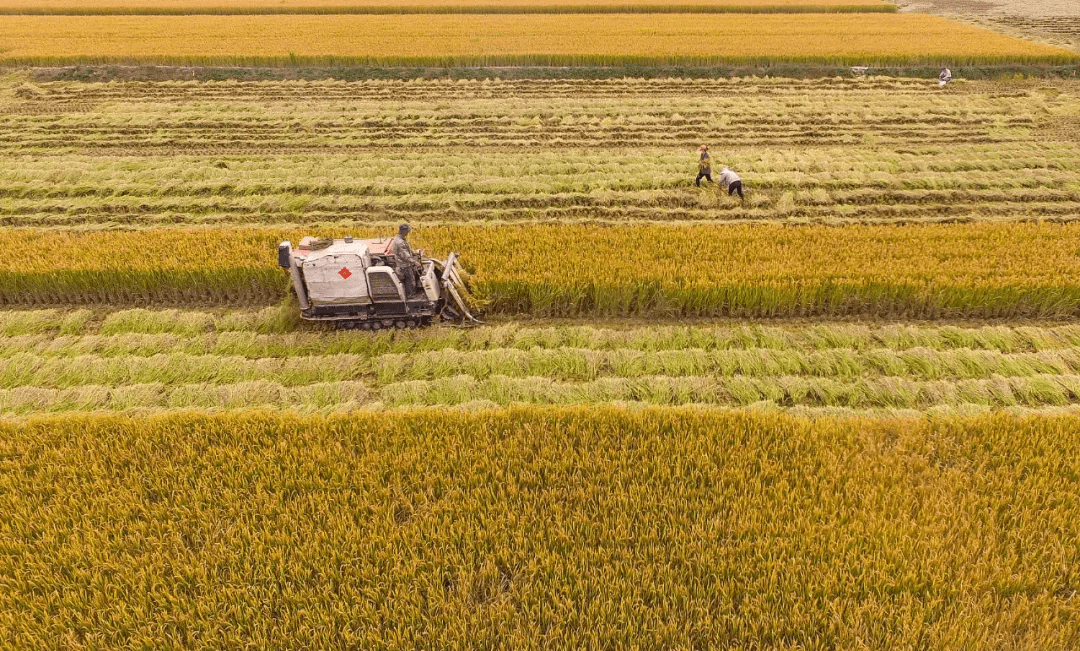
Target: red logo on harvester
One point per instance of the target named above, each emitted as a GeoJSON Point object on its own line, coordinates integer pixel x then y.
{"type": "Point", "coordinates": [345, 273]}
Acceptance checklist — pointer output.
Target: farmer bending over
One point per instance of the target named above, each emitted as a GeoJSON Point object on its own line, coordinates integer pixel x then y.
{"type": "Point", "coordinates": [732, 181]}
{"type": "Point", "coordinates": [704, 166]}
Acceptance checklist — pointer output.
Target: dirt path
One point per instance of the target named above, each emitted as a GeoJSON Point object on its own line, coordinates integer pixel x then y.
{"type": "Point", "coordinates": [1056, 22]}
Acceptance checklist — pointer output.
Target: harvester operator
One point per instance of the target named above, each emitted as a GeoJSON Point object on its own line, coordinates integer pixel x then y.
{"type": "Point", "coordinates": [404, 261]}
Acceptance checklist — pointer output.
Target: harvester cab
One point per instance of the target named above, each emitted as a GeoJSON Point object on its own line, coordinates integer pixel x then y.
{"type": "Point", "coordinates": [352, 284]}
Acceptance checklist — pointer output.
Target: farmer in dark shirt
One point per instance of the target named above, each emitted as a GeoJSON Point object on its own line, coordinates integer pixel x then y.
{"type": "Point", "coordinates": [704, 166]}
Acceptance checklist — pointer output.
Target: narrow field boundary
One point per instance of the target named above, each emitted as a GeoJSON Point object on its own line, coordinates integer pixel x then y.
{"type": "Point", "coordinates": [769, 64]}
{"type": "Point", "coordinates": [114, 72]}
{"type": "Point", "coordinates": [454, 9]}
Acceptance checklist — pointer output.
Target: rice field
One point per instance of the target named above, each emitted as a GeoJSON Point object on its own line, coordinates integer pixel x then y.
{"type": "Point", "coordinates": [839, 414]}
{"type": "Point", "coordinates": [509, 40]}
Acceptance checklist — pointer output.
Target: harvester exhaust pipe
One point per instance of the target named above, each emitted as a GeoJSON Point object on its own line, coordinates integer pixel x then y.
{"type": "Point", "coordinates": [285, 261]}
{"type": "Point", "coordinates": [455, 287]}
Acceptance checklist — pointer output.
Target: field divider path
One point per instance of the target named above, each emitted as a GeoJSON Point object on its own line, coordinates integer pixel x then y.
{"type": "Point", "coordinates": [390, 7]}
{"type": "Point", "coordinates": [315, 7]}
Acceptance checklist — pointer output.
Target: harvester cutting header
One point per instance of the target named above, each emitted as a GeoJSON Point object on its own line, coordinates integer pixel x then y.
{"type": "Point", "coordinates": [374, 284]}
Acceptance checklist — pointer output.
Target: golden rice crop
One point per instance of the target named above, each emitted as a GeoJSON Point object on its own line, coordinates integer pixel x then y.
{"type": "Point", "coordinates": [571, 39]}
{"type": "Point", "coordinates": [987, 269]}
{"type": "Point", "coordinates": [179, 7]}
{"type": "Point", "coordinates": [540, 528]}
{"type": "Point", "coordinates": [982, 269]}
{"type": "Point", "coordinates": [195, 266]}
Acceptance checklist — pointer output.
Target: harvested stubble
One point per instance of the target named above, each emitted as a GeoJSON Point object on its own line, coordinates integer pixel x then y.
{"type": "Point", "coordinates": [812, 185]}
{"type": "Point", "coordinates": [826, 150]}
{"type": "Point", "coordinates": [533, 528]}
{"type": "Point", "coordinates": [527, 39]}
{"type": "Point", "coordinates": [407, 97]}
{"type": "Point", "coordinates": [314, 117]}
{"type": "Point", "coordinates": [974, 270]}
{"type": "Point", "coordinates": [219, 7]}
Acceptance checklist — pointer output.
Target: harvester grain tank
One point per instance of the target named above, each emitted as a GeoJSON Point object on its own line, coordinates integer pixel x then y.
{"type": "Point", "coordinates": [350, 282]}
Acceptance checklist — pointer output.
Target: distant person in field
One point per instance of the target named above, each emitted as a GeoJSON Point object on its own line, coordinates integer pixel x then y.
{"type": "Point", "coordinates": [704, 166]}
{"type": "Point", "coordinates": [732, 181]}
{"type": "Point", "coordinates": [945, 77]}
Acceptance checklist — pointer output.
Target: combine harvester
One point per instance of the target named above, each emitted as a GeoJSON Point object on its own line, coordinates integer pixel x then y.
{"type": "Point", "coordinates": [350, 283]}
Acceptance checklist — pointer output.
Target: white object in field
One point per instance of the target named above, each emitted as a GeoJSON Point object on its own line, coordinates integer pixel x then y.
{"type": "Point", "coordinates": [859, 71]}
{"type": "Point", "coordinates": [384, 284]}
{"type": "Point", "coordinates": [336, 274]}
{"type": "Point", "coordinates": [430, 281]}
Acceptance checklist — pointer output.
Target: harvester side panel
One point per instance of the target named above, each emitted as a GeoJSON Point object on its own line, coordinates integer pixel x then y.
{"type": "Point", "coordinates": [336, 279]}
